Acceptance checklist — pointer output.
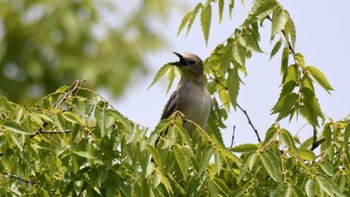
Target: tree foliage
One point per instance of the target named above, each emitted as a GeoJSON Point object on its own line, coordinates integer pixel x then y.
{"type": "Point", "coordinates": [46, 44]}
{"type": "Point", "coordinates": [72, 142]}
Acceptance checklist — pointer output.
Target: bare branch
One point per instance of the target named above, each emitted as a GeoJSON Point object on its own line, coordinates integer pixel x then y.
{"type": "Point", "coordinates": [249, 122]}
{"type": "Point", "coordinates": [233, 135]}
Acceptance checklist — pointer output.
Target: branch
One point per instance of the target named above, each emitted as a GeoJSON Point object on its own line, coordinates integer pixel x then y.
{"type": "Point", "coordinates": [243, 110]}
{"type": "Point", "coordinates": [18, 178]}
{"type": "Point", "coordinates": [50, 132]}
{"type": "Point", "coordinates": [249, 122]}
{"type": "Point", "coordinates": [233, 135]}
{"type": "Point", "coordinates": [77, 83]}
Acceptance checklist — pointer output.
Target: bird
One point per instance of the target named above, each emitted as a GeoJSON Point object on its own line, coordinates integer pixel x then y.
{"type": "Point", "coordinates": [192, 97]}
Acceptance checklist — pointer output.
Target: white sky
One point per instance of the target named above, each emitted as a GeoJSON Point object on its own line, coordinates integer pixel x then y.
{"type": "Point", "coordinates": [323, 37]}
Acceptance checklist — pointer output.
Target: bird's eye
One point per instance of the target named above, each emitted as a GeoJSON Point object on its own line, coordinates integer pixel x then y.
{"type": "Point", "coordinates": [192, 62]}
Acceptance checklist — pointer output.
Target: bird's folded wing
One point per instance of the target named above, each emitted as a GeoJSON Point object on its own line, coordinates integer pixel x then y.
{"type": "Point", "coordinates": [171, 106]}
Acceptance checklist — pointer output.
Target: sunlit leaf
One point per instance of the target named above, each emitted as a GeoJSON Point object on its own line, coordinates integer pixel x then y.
{"type": "Point", "coordinates": [279, 20]}
{"type": "Point", "coordinates": [184, 21]}
{"type": "Point", "coordinates": [320, 78]}
{"type": "Point", "coordinates": [233, 86]}
{"type": "Point", "coordinates": [160, 74]}
{"type": "Point", "coordinates": [205, 22]}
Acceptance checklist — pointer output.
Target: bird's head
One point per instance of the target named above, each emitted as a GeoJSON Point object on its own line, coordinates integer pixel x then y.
{"type": "Point", "coordinates": [191, 66]}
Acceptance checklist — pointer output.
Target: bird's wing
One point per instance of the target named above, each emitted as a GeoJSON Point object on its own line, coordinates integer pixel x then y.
{"type": "Point", "coordinates": [170, 107]}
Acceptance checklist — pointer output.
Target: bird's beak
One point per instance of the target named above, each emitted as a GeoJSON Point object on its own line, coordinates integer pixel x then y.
{"type": "Point", "coordinates": [181, 62]}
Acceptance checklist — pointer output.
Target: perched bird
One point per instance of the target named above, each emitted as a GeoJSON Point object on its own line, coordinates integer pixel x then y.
{"type": "Point", "coordinates": [191, 98]}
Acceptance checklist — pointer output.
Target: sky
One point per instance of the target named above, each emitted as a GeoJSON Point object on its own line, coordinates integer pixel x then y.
{"type": "Point", "coordinates": [323, 37]}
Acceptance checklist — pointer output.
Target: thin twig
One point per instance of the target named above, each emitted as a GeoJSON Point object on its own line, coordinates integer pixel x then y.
{"type": "Point", "coordinates": [243, 110]}
{"type": "Point", "coordinates": [249, 122]}
{"type": "Point", "coordinates": [233, 135]}
{"type": "Point", "coordinates": [77, 83]}
{"type": "Point", "coordinates": [15, 177]}
{"type": "Point", "coordinates": [51, 132]}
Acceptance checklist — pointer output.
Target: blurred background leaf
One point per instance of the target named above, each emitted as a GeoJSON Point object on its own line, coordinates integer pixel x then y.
{"type": "Point", "coordinates": [45, 44]}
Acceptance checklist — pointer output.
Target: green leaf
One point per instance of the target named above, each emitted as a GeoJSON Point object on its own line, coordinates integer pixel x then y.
{"type": "Point", "coordinates": [222, 186]}
{"type": "Point", "coordinates": [285, 60]}
{"type": "Point", "coordinates": [225, 99]}
{"type": "Point", "coordinates": [284, 105]}
{"type": "Point", "coordinates": [239, 53]}
{"type": "Point", "coordinates": [320, 78]}
{"type": "Point", "coordinates": [327, 167]}
{"type": "Point", "coordinates": [327, 185]}
{"type": "Point", "coordinates": [307, 143]}
{"type": "Point", "coordinates": [73, 118]}
{"type": "Point", "coordinates": [221, 9]}
{"type": "Point", "coordinates": [181, 159]}
{"type": "Point", "coordinates": [160, 74]}
{"type": "Point", "coordinates": [13, 126]}
{"type": "Point", "coordinates": [194, 14]}
{"type": "Point", "coordinates": [156, 157]}
{"type": "Point", "coordinates": [233, 86]}
{"type": "Point", "coordinates": [346, 137]}
{"type": "Point", "coordinates": [245, 148]}
{"type": "Point", "coordinates": [247, 163]}
{"type": "Point", "coordinates": [205, 21]}
{"type": "Point", "coordinates": [307, 154]}
{"type": "Point", "coordinates": [287, 140]}
{"type": "Point", "coordinates": [206, 155]}
{"type": "Point", "coordinates": [279, 20]}
{"type": "Point", "coordinates": [263, 8]}
{"type": "Point", "coordinates": [272, 164]}
{"type": "Point", "coordinates": [184, 21]}
{"type": "Point", "coordinates": [84, 154]}
{"type": "Point", "coordinates": [276, 48]}
{"type": "Point", "coordinates": [310, 188]}
{"type": "Point", "coordinates": [291, 75]}
{"type": "Point", "coordinates": [231, 6]}
{"type": "Point", "coordinates": [270, 135]}
{"type": "Point", "coordinates": [292, 32]}
{"type": "Point", "coordinates": [250, 40]}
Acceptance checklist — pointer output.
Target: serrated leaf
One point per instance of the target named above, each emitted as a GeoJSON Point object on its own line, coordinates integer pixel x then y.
{"type": "Point", "coordinates": [84, 154]}
{"type": "Point", "coordinates": [160, 74]}
{"type": "Point", "coordinates": [275, 49]}
{"type": "Point", "coordinates": [307, 143]}
{"type": "Point", "coordinates": [239, 53]}
{"type": "Point", "coordinates": [227, 58]}
{"type": "Point", "coordinates": [245, 148]}
{"type": "Point", "coordinates": [156, 157]}
{"type": "Point", "coordinates": [13, 126]}
{"type": "Point", "coordinates": [279, 20]}
{"type": "Point", "coordinates": [292, 31]}
{"type": "Point", "coordinates": [346, 137]}
{"type": "Point", "coordinates": [206, 155]}
{"type": "Point", "coordinates": [194, 14]}
{"type": "Point", "coordinates": [272, 165]}
{"type": "Point", "coordinates": [205, 21]}
{"type": "Point", "coordinates": [291, 75]}
{"type": "Point", "coordinates": [287, 140]}
{"type": "Point", "coordinates": [181, 159]}
{"type": "Point", "coordinates": [270, 135]}
{"type": "Point", "coordinates": [327, 167]}
{"type": "Point", "coordinates": [221, 9]}
{"type": "Point", "coordinates": [184, 21]}
{"type": "Point", "coordinates": [285, 60]}
{"type": "Point", "coordinates": [250, 40]}
{"type": "Point", "coordinates": [233, 86]}
{"type": "Point", "coordinates": [307, 154]}
{"type": "Point", "coordinates": [71, 117]}
{"type": "Point", "coordinates": [320, 78]}
{"type": "Point", "coordinates": [222, 186]}
{"type": "Point", "coordinates": [225, 99]}
{"type": "Point", "coordinates": [247, 163]}
{"type": "Point", "coordinates": [310, 188]}
{"type": "Point", "coordinates": [327, 185]}
{"type": "Point", "coordinates": [300, 59]}
{"type": "Point", "coordinates": [231, 6]}
{"type": "Point", "coordinates": [261, 9]}
{"type": "Point", "coordinates": [284, 105]}
{"type": "Point", "coordinates": [327, 133]}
